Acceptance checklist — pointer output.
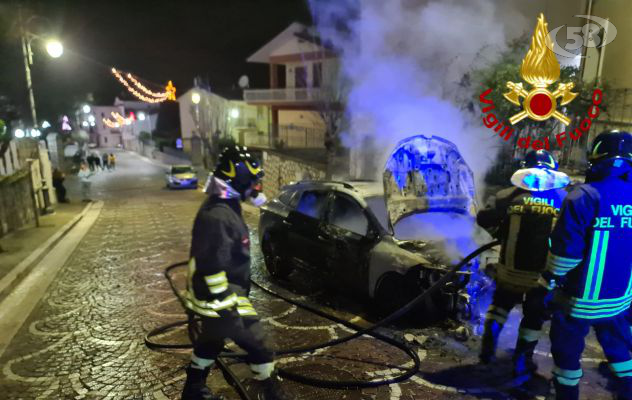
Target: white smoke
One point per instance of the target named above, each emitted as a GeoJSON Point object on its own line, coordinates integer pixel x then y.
{"type": "Point", "coordinates": [405, 61]}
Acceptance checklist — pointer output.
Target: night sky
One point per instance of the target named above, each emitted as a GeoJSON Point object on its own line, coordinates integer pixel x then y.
{"type": "Point", "coordinates": [157, 40]}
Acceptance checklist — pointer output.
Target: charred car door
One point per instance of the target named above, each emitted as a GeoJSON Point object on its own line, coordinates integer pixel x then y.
{"type": "Point", "coordinates": [347, 236]}
{"type": "Point", "coordinates": [303, 225]}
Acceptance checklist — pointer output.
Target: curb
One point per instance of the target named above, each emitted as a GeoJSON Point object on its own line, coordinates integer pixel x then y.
{"type": "Point", "coordinates": [16, 308]}
{"type": "Point", "coordinates": [21, 270]}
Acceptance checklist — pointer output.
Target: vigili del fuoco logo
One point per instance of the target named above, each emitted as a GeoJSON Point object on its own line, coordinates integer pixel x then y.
{"type": "Point", "coordinates": [540, 69]}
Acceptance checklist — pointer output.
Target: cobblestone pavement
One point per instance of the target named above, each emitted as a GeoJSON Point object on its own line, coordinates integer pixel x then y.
{"type": "Point", "coordinates": [84, 340]}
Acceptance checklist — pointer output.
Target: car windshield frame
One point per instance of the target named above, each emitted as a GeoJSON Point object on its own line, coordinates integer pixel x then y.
{"type": "Point", "coordinates": [181, 169]}
{"type": "Point", "coordinates": [330, 213]}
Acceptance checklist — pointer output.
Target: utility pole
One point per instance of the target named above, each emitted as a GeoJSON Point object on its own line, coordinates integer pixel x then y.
{"type": "Point", "coordinates": [28, 60]}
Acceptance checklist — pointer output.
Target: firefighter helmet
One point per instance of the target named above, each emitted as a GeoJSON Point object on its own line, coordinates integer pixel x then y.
{"type": "Point", "coordinates": [611, 145]}
{"type": "Point", "coordinates": [539, 159]}
{"type": "Point", "coordinates": [237, 167]}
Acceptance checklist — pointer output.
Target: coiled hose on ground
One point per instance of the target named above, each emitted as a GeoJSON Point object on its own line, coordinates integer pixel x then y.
{"type": "Point", "coordinates": [371, 331]}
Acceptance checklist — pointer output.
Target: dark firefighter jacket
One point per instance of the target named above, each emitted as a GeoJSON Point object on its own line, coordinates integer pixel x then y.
{"type": "Point", "coordinates": [591, 248]}
{"type": "Point", "coordinates": [525, 219]}
{"type": "Point", "coordinates": [219, 265]}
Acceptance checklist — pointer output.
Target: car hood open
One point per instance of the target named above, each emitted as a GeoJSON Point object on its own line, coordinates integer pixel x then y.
{"type": "Point", "coordinates": [427, 174]}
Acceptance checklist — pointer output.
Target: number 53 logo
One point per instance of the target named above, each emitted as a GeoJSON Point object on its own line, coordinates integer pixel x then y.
{"type": "Point", "coordinates": [597, 33]}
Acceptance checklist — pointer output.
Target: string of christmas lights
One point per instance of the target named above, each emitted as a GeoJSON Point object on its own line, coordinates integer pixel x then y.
{"type": "Point", "coordinates": [144, 89]}
{"type": "Point", "coordinates": [169, 93]}
{"type": "Point", "coordinates": [120, 120]}
{"type": "Point", "coordinates": [110, 124]}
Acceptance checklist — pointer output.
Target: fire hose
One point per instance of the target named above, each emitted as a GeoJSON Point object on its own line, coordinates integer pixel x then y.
{"type": "Point", "coordinates": [360, 331]}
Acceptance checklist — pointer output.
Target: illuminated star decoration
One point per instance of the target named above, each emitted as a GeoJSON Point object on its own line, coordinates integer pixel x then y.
{"type": "Point", "coordinates": [140, 91]}
{"type": "Point", "coordinates": [540, 68]}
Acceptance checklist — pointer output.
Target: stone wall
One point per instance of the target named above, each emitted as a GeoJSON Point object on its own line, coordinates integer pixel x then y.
{"type": "Point", "coordinates": [16, 204]}
{"type": "Point", "coordinates": [26, 159]}
{"type": "Point", "coordinates": [281, 169]}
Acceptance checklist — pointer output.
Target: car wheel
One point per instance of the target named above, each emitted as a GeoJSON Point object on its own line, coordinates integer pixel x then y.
{"type": "Point", "coordinates": [391, 294]}
{"type": "Point", "coordinates": [276, 264]}
{"type": "Point", "coordinates": [395, 291]}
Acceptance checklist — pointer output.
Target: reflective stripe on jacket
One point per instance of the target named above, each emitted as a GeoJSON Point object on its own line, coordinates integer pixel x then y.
{"type": "Point", "coordinates": [525, 220]}
{"type": "Point", "coordinates": [219, 268]}
{"type": "Point", "coordinates": [591, 249]}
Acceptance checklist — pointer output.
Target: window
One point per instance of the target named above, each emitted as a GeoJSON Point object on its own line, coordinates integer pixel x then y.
{"type": "Point", "coordinates": [300, 77]}
{"type": "Point", "coordinates": [347, 214]}
{"type": "Point", "coordinates": [317, 74]}
{"type": "Point", "coordinates": [288, 198]}
{"type": "Point", "coordinates": [378, 206]}
{"type": "Point", "coordinates": [182, 169]}
{"type": "Point", "coordinates": [105, 139]}
{"type": "Point", "coordinates": [312, 204]}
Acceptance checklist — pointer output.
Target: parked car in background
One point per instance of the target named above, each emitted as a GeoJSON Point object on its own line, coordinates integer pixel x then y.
{"type": "Point", "coordinates": [181, 176]}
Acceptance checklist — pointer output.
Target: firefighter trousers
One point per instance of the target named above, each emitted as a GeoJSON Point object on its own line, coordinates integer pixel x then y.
{"type": "Point", "coordinates": [503, 302]}
{"type": "Point", "coordinates": [567, 345]}
{"type": "Point", "coordinates": [246, 332]}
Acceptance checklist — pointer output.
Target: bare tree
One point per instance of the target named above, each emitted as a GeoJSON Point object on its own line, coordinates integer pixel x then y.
{"type": "Point", "coordinates": [331, 109]}
{"type": "Point", "coordinates": [211, 117]}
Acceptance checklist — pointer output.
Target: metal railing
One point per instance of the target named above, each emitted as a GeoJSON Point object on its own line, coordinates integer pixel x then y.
{"type": "Point", "coordinates": [299, 136]}
{"type": "Point", "coordinates": [256, 139]}
{"type": "Point", "coordinates": [287, 136]}
{"type": "Point", "coordinates": [283, 95]}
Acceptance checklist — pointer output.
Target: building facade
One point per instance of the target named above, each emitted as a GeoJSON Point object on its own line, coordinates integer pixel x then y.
{"type": "Point", "coordinates": [119, 124]}
{"type": "Point", "coordinates": [303, 85]}
{"type": "Point", "coordinates": [207, 118]}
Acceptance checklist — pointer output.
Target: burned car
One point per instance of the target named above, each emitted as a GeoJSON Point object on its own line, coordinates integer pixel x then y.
{"type": "Point", "coordinates": [385, 240]}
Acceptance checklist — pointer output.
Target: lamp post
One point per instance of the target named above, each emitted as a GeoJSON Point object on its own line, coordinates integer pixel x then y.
{"type": "Point", "coordinates": [54, 48]}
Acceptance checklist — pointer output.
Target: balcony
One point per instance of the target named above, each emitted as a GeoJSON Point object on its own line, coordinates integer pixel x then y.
{"type": "Point", "coordinates": [283, 95]}
{"type": "Point", "coordinates": [287, 136]}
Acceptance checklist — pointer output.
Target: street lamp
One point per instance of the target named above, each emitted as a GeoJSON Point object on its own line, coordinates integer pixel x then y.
{"type": "Point", "coordinates": [195, 98]}
{"type": "Point", "coordinates": [54, 48]}
{"type": "Point", "coordinates": [18, 133]}
{"type": "Point", "coordinates": [86, 109]}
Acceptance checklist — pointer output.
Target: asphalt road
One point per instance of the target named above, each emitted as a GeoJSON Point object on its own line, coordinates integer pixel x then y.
{"type": "Point", "coordinates": [84, 338]}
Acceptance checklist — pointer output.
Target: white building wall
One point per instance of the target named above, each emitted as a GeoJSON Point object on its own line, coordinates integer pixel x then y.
{"type": "Point", "coordinates": [107, 137]}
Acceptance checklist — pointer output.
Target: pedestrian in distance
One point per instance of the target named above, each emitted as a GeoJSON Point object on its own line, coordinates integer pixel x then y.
{"type": "Point", "coordinates": [523, 217]}
{"type": "Point", "coordinates": [91, 163]}
{"type": "Point", "coordinates": [85, 176]}
{"type": "Point", "coordinates": [112, 161]}
{"type": "Point", "coordinates": [590, 267]}
{"type": "Point", "coordinates": [106, 163]}
{"type": "Point", "coordinates": [97, 162]}
{"type": "Point", "coordinates": [218, 281]}
{"type": "Point", "coordinates": [58, 184]}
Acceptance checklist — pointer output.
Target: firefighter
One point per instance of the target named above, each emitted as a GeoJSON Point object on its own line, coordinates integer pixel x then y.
{"type": "Point", "coordinates": [524, 216]}
{"type": "Point", "coordinates": [219, 274]}
{"type": "Point", "coordinates": [590, 263]}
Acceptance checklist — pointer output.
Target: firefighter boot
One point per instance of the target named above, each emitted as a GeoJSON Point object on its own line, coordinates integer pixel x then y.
{"type": "Point", "coordinates": [490, 341]}
{"type": "Point", "coordinates": [272, 389]}
{"type": "Point", "coordinates": [523, 358]}
{"type": "Point", "coordinates": [195, 386]}
{"type": "Point", "coordinates": [566, 392]}
{"type": "Point", "coordinates": [624, 388]}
